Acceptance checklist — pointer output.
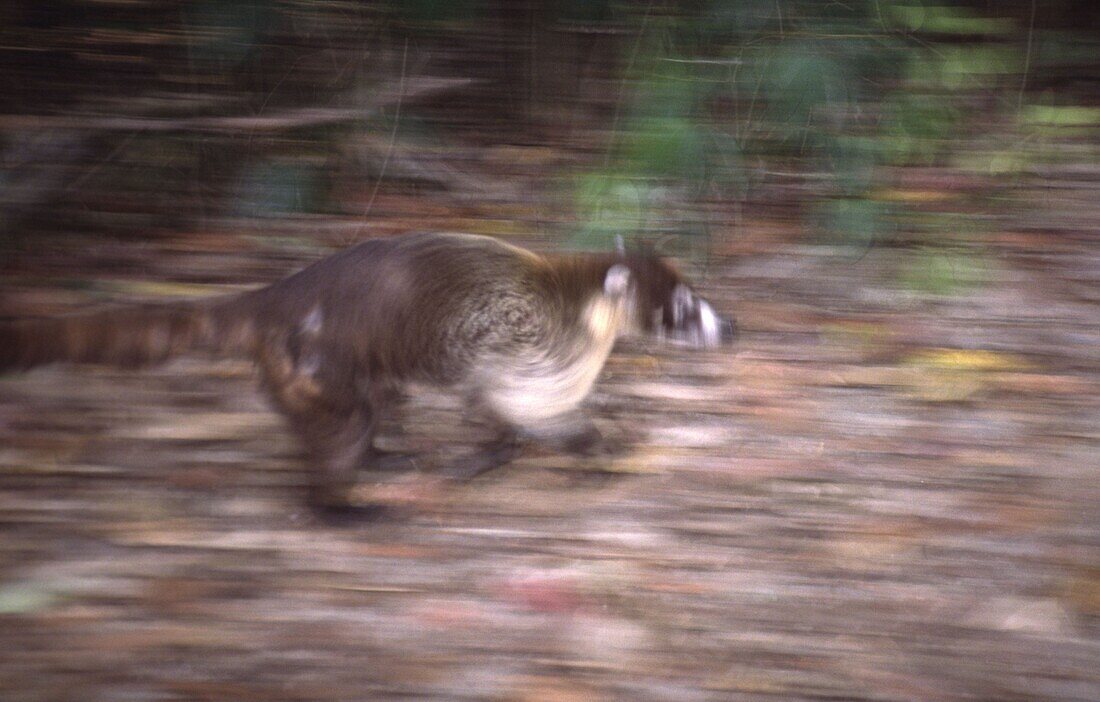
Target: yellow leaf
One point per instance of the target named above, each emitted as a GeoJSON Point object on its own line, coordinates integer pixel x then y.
{"type": "Point", "coordinates": [914, 195]}
{"type": "Point", "coordinates": [968, 360]}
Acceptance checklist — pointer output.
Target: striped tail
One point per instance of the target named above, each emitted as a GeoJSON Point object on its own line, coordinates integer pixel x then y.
{"type": "Point", "coordinates": [129, 337]}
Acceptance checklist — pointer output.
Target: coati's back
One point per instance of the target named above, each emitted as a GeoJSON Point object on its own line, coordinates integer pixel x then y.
{"type": "Point", "coordinates": [424, 306]}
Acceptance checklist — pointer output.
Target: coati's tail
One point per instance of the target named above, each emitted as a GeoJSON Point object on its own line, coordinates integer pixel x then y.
{"type": "Point", "coordinates": [128, 336]}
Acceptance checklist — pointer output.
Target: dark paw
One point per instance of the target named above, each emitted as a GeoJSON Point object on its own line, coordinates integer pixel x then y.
{"type": "Point", "coordinates": [586, 442]}
{"type": "Point", "coordinates": [613, 447]}
{"type": "Point", "coordinates": [373, 501]}
{"type": "Point", "coordinates": [595, 477]}
{"type": "Point", "coordinates": [345, 504]}
{"type": "Point", "coordinates": [592, 444]}
{"type": "Point", "coordinates": [348, 514]}
{"type": "Point", "coordinates": [391, 462]}
{"type": "Point", "coordinates": [469, 467]}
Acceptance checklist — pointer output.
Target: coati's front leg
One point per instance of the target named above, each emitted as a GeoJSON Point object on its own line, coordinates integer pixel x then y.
{"type": "Point", "coordinates": [504, 446]}
{"type": "Point", "coordinates": [578, 435]}
{"type": "Point", "coordinates": [500, 450]}
{"type": "Point", "coordinates": [573, 434]}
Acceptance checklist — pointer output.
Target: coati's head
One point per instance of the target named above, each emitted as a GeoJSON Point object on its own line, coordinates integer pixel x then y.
{"type": "Point", "coordinates": [660, 303]}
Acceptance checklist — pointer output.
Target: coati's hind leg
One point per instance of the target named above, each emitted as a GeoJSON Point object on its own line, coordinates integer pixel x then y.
{"type": "Point", "coordinates": [384, 401]}
{"type": "Point", "coordinates": [338, 444]}
{"type": "Point", "coordinates": [320, 400]}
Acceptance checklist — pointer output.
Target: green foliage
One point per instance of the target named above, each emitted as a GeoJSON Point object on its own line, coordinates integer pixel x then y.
{"type": "Point", "coordinates": [585, 11]}
{"type": "Point", "coordinates": [227, 32]}
{"type": "Point", "coordinates": [938, 270]}
{"type": "Point", "coordinates": [916, 129]}
{"type": "Point", "coordinates": [1064, 50]}
{"type": "Point", "coordinates": [663, 149]}
{"type": "Point", "coordinates": [973, 67]}
{"type": "Point", "coordinates": [1060, 116]}
{"type": "Point", "coordinates": [994, 162]}
{"type": "Point", "coordinates": [25, 598]}
{"type": "Point", "coordinates": [608, 205]}
{"type": "Point", "coordinates": [945, 19]}
{"type": "Point", "coordinates": [428, 12]}
{"type": "Point", "coordinates": [840, 89]}
{"type": "Point", "coordinates": [857, 222]}
{"type": "Point", "coordinates": [853, 160]}
{"type": "Point", "coordinates": [270, 189]}
{"type": "Point", "coordinates": [666, 147]}
{"type": "Point", "coordinates": [666, 88]}
{"type": "Point", "coordinates": [801, 80]}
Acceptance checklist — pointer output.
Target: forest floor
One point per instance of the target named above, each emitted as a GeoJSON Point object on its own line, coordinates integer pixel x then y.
{"type": "Point", "coordinates": [877, 494]}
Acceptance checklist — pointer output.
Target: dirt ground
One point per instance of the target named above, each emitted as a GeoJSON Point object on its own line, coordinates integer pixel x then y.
{"type": "Point", "coordinates": [878, 494]}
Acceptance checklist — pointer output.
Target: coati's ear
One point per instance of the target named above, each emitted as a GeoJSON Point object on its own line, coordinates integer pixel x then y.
{"type": "Point", "coordinates": [617, 280]}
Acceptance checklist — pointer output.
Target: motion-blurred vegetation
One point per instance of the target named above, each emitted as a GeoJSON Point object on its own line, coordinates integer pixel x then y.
{"type": "Point", "coordinates": [887, 490]}
{"type": "Point", "coordinates": [154, 115]}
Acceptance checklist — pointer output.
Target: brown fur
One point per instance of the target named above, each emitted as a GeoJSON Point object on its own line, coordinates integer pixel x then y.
{"type": "Point", "coordinates": [522, 336]}
{"type": "Point", "coordinates": [127, 337]}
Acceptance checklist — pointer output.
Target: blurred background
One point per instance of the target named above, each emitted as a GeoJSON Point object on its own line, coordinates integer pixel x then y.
{"type": "Point", "coordinates": [890, 489]}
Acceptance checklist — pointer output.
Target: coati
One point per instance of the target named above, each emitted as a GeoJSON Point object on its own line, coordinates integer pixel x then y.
{"type": "Point", "coordinates": [521, 336]}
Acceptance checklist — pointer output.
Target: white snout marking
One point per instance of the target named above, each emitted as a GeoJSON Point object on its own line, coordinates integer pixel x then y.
{"type": "Point", "coordinates": [710, 324]}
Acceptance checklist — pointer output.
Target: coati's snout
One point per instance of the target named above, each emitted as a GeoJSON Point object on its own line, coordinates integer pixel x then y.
{"type": "Point", "coordinates": [666, 307]}
{"type": "Point", "coordinates": [690, 320]}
